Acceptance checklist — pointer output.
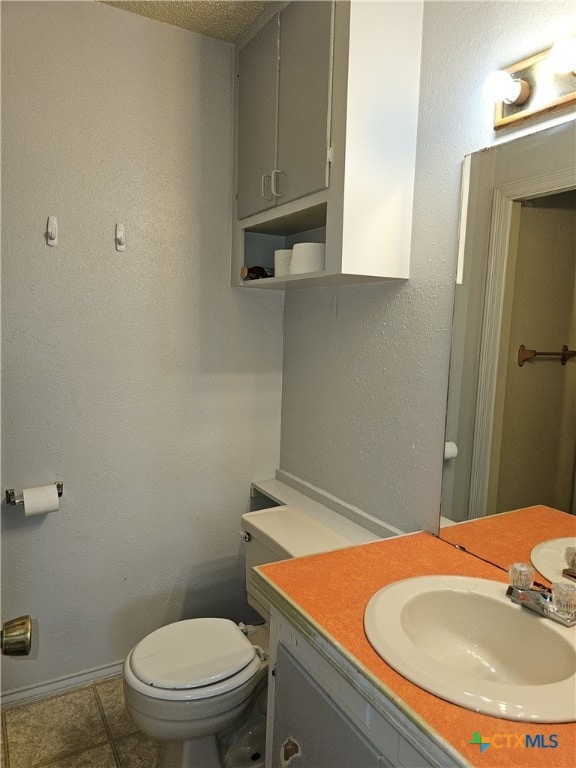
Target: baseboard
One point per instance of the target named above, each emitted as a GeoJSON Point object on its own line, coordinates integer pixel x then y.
{"type": "Point", "coordinates": [30, 693]}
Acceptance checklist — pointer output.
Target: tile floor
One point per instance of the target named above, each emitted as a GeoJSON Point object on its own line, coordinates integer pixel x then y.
{"type": "Point", "coordinates": [87, 727]}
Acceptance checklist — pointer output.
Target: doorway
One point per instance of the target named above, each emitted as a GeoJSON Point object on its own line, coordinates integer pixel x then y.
{"type": "Point", "coordinates": [533, 452]}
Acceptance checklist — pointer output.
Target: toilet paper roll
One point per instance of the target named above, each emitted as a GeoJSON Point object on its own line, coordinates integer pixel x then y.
{"type": "Point", "coordinates": [40, 500]}
{"type": "Point", "coordinates": [282, 260]}
{"type": "Point", "coordinates": [308, 257]}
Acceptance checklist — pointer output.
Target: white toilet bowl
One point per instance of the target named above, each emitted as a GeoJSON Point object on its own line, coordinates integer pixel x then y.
{"type": "Point", "coordinates": [190, 680]}
{"type": "Point", "coordinates": [196, 678]}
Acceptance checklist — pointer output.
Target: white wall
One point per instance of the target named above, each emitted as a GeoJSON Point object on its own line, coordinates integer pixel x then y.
{"type": "Point", "coordinates": [140, 379]}
{"type": "Point", "coordinates": [365, 368]}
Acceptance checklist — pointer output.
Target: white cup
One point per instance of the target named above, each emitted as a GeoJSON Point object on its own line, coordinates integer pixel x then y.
{"type": "Point", "coordinates": [282, 261]}
{"type": "Point", "coordinates": [308, 257]}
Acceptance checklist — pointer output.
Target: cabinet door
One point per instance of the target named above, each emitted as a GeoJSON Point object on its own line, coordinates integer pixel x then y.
{"type": "Point", "coordinates": [257, 114]}
{"type": "Point", "coordinates": [304, 98]}
{"type": "Point", "coordinates": [309, 728]}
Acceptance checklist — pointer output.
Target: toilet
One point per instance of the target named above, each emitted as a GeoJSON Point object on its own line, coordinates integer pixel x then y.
{"type": "Point", "coordinates": [192, 680]}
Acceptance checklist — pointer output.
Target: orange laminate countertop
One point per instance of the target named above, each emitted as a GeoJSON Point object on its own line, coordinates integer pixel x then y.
{"type": "Point", "coordinates": [330, 591]}
{"type": "Point", "coordinates": [511, 536]}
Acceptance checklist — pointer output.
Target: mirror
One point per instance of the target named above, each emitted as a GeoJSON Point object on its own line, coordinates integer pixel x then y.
{"type": "Point", "coordinates": [515, 425]}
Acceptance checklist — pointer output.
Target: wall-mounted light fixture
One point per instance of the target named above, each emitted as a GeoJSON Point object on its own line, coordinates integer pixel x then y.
{"type": "Point", "coordinates": [543, 83]}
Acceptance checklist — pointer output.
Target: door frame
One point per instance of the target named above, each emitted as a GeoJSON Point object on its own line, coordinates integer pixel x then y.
{"type": "Point", "coordinates": [537, 165]}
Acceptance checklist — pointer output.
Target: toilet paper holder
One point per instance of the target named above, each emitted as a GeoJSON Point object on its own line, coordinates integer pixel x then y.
{"type": "Point", "coordinates": [11, 497]}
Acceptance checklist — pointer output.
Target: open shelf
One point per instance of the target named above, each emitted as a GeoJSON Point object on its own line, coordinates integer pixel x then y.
{"type": "Point", "coordinates": [261, 239]}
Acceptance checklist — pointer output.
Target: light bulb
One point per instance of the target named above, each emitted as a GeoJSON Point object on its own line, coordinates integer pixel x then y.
{"type": "Point", "coordinates": [501, 86]}
{"type": "Point", "coordinates": [562, 56]}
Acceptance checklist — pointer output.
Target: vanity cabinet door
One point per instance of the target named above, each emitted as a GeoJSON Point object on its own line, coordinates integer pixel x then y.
{"type": "Point", "coordinates": [310, 728]}
{"type": "Point", "coordinates": [257, 112]}
{"type": "Point", "coordinates": [304, 99]}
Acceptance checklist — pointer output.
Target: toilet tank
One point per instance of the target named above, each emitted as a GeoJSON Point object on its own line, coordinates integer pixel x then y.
{"type": "Point", "coordinates": [281, 533]}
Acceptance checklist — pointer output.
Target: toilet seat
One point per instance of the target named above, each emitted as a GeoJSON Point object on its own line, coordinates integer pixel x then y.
{"type": "Point", "coordinates": [192, 659]}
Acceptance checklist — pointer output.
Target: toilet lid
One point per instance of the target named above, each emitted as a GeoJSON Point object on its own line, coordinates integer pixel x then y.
{"type": "Point", "coordinates": [191, 654]}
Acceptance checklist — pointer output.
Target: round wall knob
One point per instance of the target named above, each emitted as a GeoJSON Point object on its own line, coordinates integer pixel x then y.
{"type": "Point", "coordinates": [16, 636]}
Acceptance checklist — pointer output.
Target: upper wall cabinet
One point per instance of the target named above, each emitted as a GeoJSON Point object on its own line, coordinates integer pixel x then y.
{"type": "Point", "coordinates": [284, 87]}
{"type": "Point", "coordinates": [257, 85]}
{"type": "Point", "coordinates": [326, 119]}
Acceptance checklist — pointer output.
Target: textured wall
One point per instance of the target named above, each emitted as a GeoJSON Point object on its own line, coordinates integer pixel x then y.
{"type": "Point", "coordinates": [140, 379]}
{"type": "Point", "coordinates": [365, 368]}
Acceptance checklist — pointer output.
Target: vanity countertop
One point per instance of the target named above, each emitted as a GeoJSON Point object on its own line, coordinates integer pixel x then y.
{"type": "Point", "coordinates": [329, 592]}
{"type": "Point", "coordinates": [511, 536]}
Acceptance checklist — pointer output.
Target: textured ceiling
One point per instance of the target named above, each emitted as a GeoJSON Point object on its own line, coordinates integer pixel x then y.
{"type": "Point", "coordinates": [214, 18]}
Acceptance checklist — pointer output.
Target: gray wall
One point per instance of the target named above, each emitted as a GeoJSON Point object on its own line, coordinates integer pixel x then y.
{"type": "Point", "coordinates": [140, 379]}
{"type": "Point", "coordinates": [365, 368]}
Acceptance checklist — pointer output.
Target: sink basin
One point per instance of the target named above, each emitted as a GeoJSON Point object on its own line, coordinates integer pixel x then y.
{"type": "Point", "coordinates": [548, 557]}
{"type": "Point", "coordinates": [463, 640]}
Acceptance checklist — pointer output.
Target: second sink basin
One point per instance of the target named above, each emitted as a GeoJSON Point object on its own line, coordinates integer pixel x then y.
{"type": "Point", "coordinates": [462, 639]}
{"type": "Point", "coordinates": [548, 557]}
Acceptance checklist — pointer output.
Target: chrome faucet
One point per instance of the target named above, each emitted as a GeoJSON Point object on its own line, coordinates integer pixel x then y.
{"type": "Point", "coordinates": [570, 557]}
{"type": "Point", "coordinates": [559, 605]}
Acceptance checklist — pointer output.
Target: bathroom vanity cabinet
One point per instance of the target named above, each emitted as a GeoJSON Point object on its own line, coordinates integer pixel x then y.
{"type": "Point", "coordinates": [328, 687]}
{"type": "Point", "coordinates": [326, 118]}
{"type": "Point", "coordinates": [308, 724]}
{"type": "Point", "coordinates": [321, 710]}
